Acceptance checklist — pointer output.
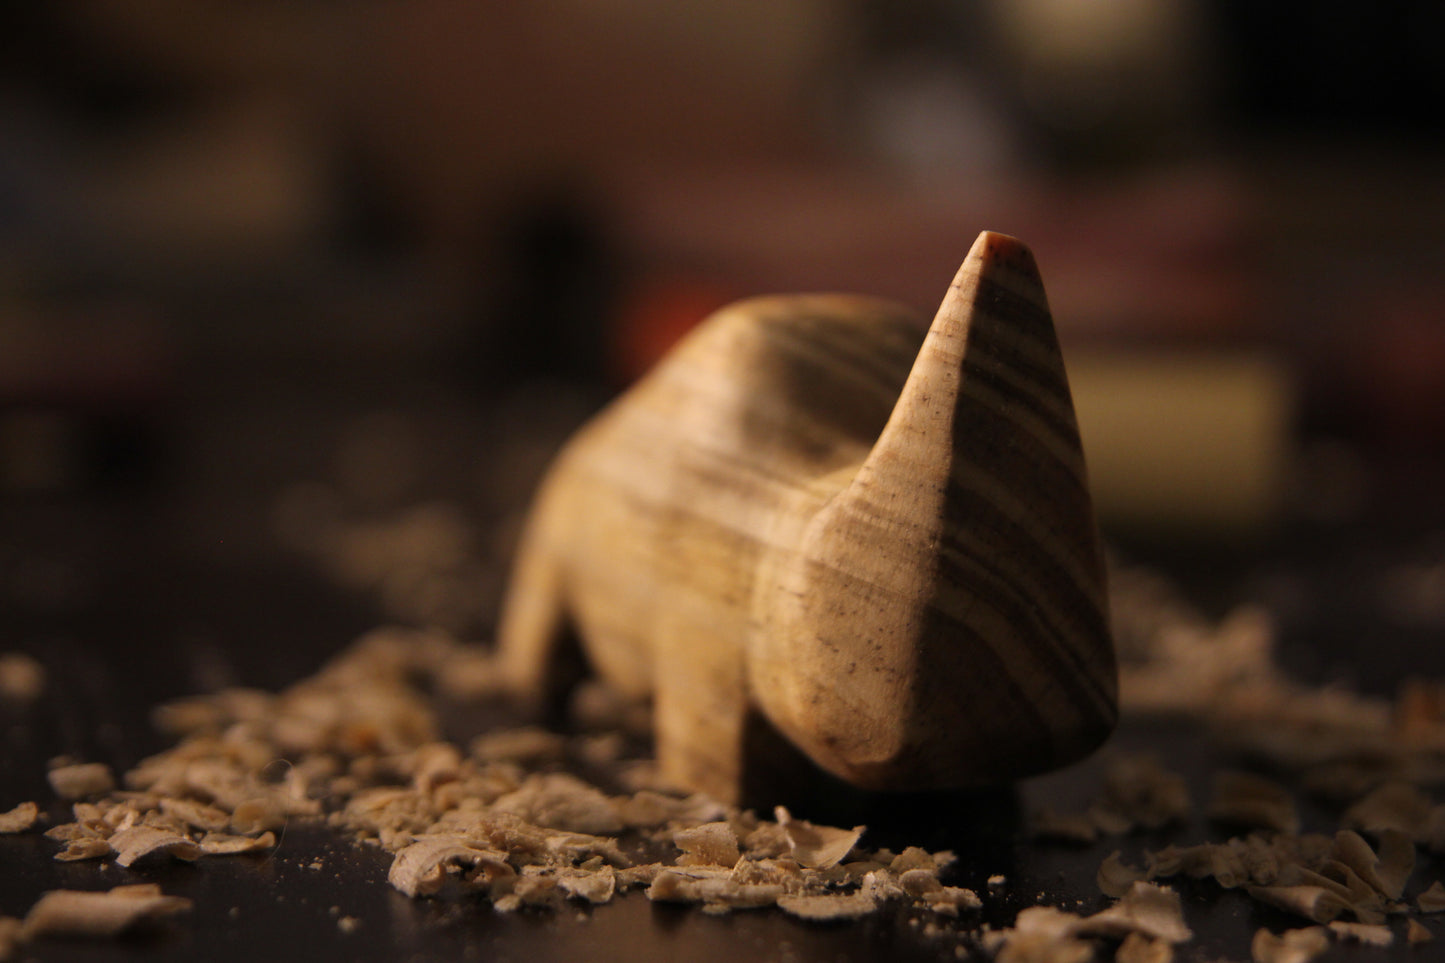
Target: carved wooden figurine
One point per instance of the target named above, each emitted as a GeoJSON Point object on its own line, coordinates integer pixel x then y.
{"type": "Point", "coordinates": [885, 550]}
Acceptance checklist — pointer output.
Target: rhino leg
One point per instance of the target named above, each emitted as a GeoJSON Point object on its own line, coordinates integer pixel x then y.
{"type": "Point", "coordinates": [700, 708]}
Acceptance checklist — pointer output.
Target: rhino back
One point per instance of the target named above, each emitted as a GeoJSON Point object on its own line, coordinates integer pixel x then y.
{"type": "Point", "coordinates": [669, 497]}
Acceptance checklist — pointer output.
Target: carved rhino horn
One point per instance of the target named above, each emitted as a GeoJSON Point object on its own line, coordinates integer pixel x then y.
{"type": "Point", "coordinates": [944, 621]}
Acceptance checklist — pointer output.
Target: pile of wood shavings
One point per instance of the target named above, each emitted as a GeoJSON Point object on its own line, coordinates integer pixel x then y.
{"type": "Point", "coordinates": [500, 819]}
{"type": "Point", "coordinates": [509, 819]}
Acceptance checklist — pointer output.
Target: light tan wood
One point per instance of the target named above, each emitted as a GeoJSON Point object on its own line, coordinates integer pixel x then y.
{"type": "Point", "coordinates": [880, 542]}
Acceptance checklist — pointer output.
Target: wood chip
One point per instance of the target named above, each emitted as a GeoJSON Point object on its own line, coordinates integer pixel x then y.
{"type": "Point", "coordinates": [196, 814]}
{"type": "Point", "coordinates": [22, 678]}
{"type": "Point", "coordinates": [714, 843]}
{"type": "Point", "coordinates": [1315, 903]}
{"type": "Point", "coordinates": [1138, 948]}
{"type": "Point", "coordinates": [99, 915]}
{"type": "Point", "coordinates": [817, 847]}
{"type": "Point", "coordinates": [1417, 932]}
{"type": "Point", "coordinates": [1373, 935]}
{"type": "Point", "coordinates": [717, 889]}
{"type": "Point", "coordinates": [420, 868]}
{"type": "Point", "coordinates": [1387, 872]}
{"type": "Point", "coordinates": [1115, 878]}
{"type": "Point", "coordinates": [828, 907]}
{"type": "Point", "coordinates": [1432, 900]}
{"type": "Point", "coordinates": [1291, 946]}
{"type": "Point", "coordinates": [85, 847]}
{"type": "Point", "coordinates": [1148, 908]}
{"type": "Point", "coordinates": [595, 886]}
{"type": "Point", "coordinates": [562, 801]}
{"type": "Point", "coordinates": [226, 844]}
{"type": "Point", "coordinates": [18, 820]}
{"type": "Point", "coordinates": [11, 931]}
{"type": "Point", "coordinates": [81, 780]}
{"type": "Point", "coordinates": [140, 842]}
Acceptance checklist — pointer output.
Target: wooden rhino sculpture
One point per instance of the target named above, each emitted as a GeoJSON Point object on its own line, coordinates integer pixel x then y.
{"type": "Point", "coordinates": [885, 549]}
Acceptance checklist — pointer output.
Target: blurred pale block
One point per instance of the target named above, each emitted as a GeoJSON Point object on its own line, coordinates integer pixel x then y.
{"type": "Point", "coordinates": [1184, 443]}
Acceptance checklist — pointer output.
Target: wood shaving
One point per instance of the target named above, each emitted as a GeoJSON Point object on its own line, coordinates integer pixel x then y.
{"type": "Point", "coordinates": [226, 844]}
{"type": "Point", "coordinates": [1115, 879]}
{"type": "Point", "coordinates": [1145, 793]}
{"type": "Point", "coordinates": [10, 936]}
{"type": "Point", "coordinates": [828, 907]}
{"type": "Point", "coordinates": [1149, 909]}
{"type": "Point", "coordinates": [1387, 872]}
{"type": "Point", "coordinates": [420, 869]}
{"type": "Point", "coordinates": [1371, 934]}
{"type": "Point", "coordinates": [1432, 900]}
{"type": "Point", "coordinates": [196, 815]}
{"type": "Point", "coordinates": [1040, 934]}
{"type": "Point", "coordinates": [562, 801]}
{"type": "Point", "coordinates": [1417, 932]}
{"type": "Point", "coordinates": [99, 915]}
{"type": "Point", "coordinates": [1312, 902]}
{"type": "Point", "coordinates": [22, 678]}
{"type": "Point", "coordinates": [1291, 946]}
{"type": "Point", "coordinates": [19, 819]}
{"type": "Point", "coordinates": [1043, 934]}
{"type": "Point", "coordinates": [1246, 799]}
{"type": "Point", "coordinates": [715, 890]}
{"type": "Point", "coordinates": [817, 847]}
{"type": "Point", "coordinates": [81, 780]}
{"type": "Point", "coordinates": [139, 842]}
{"type": "Point", "coordinates": [1138, 948]}
{"type": "Point", "coordinates": [85, 848]}
{"type": "Point", "coordinates": [714, 843]}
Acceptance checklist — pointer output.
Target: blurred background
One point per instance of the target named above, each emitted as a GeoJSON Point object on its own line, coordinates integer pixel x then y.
{"type": "Point", "coordinates": [398, 249]}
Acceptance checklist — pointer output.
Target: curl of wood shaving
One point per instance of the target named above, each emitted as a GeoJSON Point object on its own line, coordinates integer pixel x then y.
{"type": "Point", "coordinates": [817, 847]}
{"type": "Point", "coordinates": [19, 819]}
{"type": "Point", "coordinates": [1312, 902]}
{"type": "Point", "coordinates": [1042, 934]}
{"type": "Point", "coordinates": [1387, 872]}
{"type": "Point", "coordinates": [1317, 877]}
{"type": "Point", "coordinates": [99, 915]}
{"type": "Point", "coordinates": [1291, 946]}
